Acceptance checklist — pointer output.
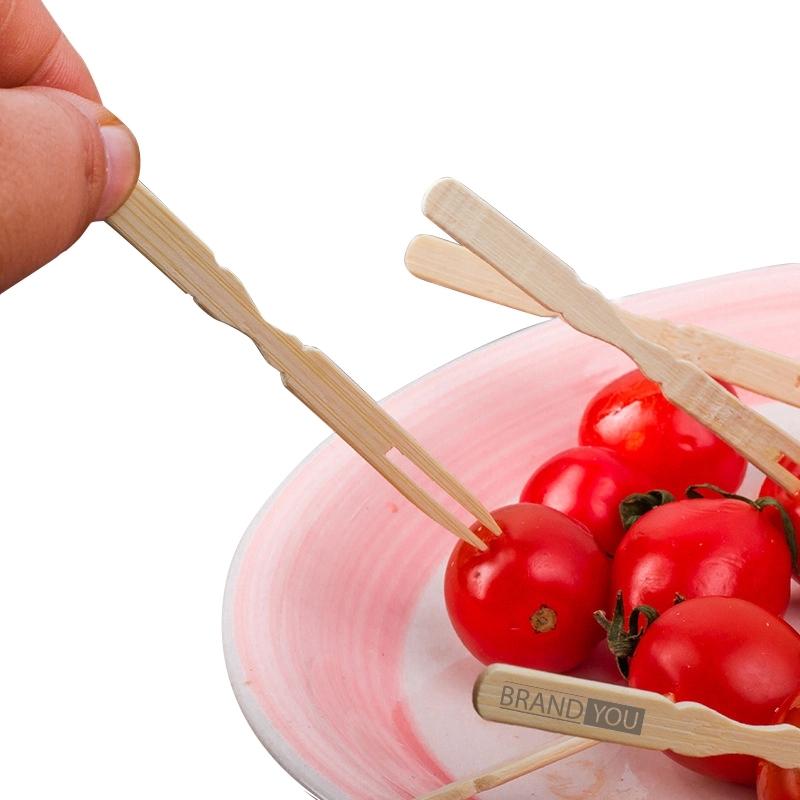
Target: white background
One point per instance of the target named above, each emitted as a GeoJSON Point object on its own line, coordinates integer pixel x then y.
{"type": "Point", "coordinates": [646, 144]}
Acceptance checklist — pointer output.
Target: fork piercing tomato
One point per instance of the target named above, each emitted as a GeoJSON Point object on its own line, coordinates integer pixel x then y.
{"type": "Point", "coordinates": [529, 598]}
{"type": "Point", "coordinates": [587, 484]}
{"type": "Point", "coordinates": [726, 653]}
{"type": "Point", "coordinates": [773, 782]}
{"type": "Point", "coordinates": [709, 543]}
{"type": "Point", "coordinates": [631, 416]}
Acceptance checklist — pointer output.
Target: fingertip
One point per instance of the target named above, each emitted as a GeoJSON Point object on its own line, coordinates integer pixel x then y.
{"type": "Point", "coordinates": [122, 167]}
{"type": "Point", "coordinates": [64, 161]}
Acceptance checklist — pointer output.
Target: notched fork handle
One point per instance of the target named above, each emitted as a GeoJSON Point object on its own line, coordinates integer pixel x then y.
{"type": "Point", "coordinates": [472, 222]}
{"type": "Point", "coordinates": [146, 223]}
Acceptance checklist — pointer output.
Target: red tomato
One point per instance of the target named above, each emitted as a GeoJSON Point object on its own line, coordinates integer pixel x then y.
{"type": "Point", "coordinates": [772, 782]}
{"type": "Point", "coordinates": [529, 598]}
{"type": "Point", "coordinates": [728, 654]}
{"type": "Point", "coordinates": [791, 502]}
{"type": "Point", "coordinates": [587, 484]}
{"type": "Point", "coordinates": [706, 546]}
{"type": "Point", "coordinates": [631, 416]}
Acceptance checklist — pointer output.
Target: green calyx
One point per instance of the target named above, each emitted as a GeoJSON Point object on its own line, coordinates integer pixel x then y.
{"type": "Point", "coordinates": [622, 642]}
{"type": "Point", "coordinates": [635, 506]}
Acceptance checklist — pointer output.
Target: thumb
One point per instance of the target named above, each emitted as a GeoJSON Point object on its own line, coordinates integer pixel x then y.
{"type": "Point", "coordinates": [64, 162]}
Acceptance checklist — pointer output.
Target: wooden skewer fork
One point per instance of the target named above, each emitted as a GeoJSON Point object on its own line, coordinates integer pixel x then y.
{"type": "Point", "coordinates": [309, 374]}
{"type": "Point", "coordinates": [618, 713]}
{"type": "Point", "coordinates": [475, 224]}
{"type": "Point", "coordinates": [507, 771]}
{"type": "Point", "coordinates": [588, 712]}
{"type": "Point", "coordinates": [766, 373]}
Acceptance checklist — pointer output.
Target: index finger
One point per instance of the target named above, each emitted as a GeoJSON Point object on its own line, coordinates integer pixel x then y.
{"type": "Point", "coordinates": [35, 52]}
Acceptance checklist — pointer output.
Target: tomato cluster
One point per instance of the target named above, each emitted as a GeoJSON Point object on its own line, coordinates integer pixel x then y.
{"type": "Point", "coordinates": [599, 536]}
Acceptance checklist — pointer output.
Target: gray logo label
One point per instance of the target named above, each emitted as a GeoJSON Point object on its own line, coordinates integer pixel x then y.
{"type": "Point", "coordinates": [613, 716]}
{"type": "Point", "coordinates": [572, 708]}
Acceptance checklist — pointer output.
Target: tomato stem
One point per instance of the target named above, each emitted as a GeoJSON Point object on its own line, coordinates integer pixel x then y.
{"type": "Point", "coordinates": [635, 506]}
{"type": "Point", "coordinates": [621, 642]}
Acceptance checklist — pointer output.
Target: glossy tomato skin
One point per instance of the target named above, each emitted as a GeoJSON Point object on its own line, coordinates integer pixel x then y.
{"type": "Point", "coordinates": [587, 484]}
{"type": "Point", "coordinates": [728, 654]}
{"type": "Point", "coordinates": [772, 782]}
{"type": "Point", "coordinates": [704, 546]}
{"type": "Point", "coordinates": [631, 416]}
{"type": "Point", "coordinates": [529, 598]}
{"type": "Point", "coordinates": [790, 502]}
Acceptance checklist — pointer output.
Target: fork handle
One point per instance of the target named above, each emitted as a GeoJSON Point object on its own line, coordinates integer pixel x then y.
{"type": "Point", "coordinates": [309, 374]}
{"type": "Point", "coordinates": [456, 209]}
{"type": "Point", "coordinates": [474, 223]}
{"type": "Point", "coordinates": [146, 223]}
{"type": "Point", "coordinates": [613, 713]}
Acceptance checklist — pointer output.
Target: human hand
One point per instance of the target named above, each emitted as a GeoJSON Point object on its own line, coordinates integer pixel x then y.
{"type": "Point", "coordinates": [65, 160]}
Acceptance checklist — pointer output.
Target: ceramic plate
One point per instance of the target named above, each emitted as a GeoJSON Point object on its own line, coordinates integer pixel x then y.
{"type": "Point", "coordinates": [336, 637]}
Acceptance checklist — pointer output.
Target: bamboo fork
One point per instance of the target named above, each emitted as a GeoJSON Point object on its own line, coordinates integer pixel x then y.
{"type": "Point", "coordinates": [615, 713]}
{"type": "Point", "coordinates": [507, 771]}
{"type": "Point", "coordinates": [766, 373]}
{"type": "Point", "coordinates": [308, 373]}
{"type": "Point", "coordinates": [588, 712]}
{"type": "Point", "coordinates": [474, 223]}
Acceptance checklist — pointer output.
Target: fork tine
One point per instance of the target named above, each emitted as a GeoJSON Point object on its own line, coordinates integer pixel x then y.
{"type": "Point", "coordinates": [423, 501]}
{"type": "Point", "coordinates": [366, 426]}
{"type": "Point", "coordinates": [434, 469]}
{"type": "Point", "coordinates": [510, 769]}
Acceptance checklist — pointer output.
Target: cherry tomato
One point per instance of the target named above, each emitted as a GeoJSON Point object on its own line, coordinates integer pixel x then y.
{"type": "Point", "coordinates": [772, 782]}
{"type": "Point", "coordinates": [727, 546]}
{"type": "Point", "coordinates": [631, 416]}
{"type": "Point", "coordinates": [528, 599]}
{"type": "Point", "coordinates": [728, 654]}
{"type": "Point", "coordinates": [587, 484]}
{"type": "Point", "coordinates": [791, 502]}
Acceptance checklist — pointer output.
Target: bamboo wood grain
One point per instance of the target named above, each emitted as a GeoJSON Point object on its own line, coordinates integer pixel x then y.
{"type": "Point", "coordinates": [308, 373]}
{"type": "Point", "coordinates": [611, 713]}
{"type": "Point", "coordinates": [483, 780]}
{"type": "Point", "coordinates": [753, 368]}
{"type": "Point", "coordinates": [488, 234]}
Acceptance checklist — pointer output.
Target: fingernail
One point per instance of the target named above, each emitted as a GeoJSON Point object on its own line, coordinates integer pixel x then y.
{"type": "Point", "coordinates": [122, 168]}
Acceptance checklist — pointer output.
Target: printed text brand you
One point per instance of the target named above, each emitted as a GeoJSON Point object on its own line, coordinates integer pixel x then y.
{"type": "Point", "coordinates": [572, 708]}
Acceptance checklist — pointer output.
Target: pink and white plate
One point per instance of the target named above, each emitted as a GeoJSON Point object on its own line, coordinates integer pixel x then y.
{"type": "Point", "coordinates": [336, 638]}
